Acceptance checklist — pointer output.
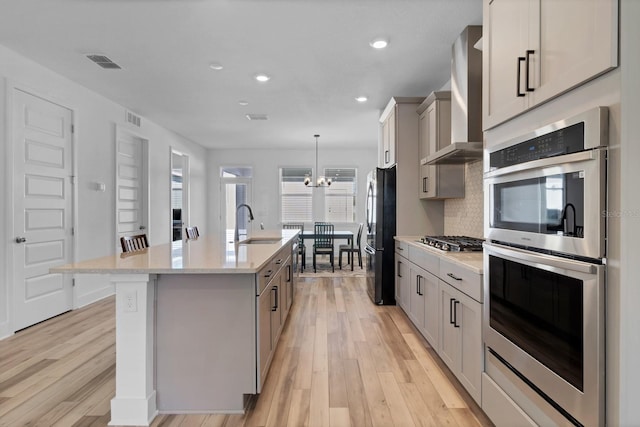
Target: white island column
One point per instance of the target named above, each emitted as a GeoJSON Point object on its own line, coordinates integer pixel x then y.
{"type": "Point", "coordinates": [135, 399]}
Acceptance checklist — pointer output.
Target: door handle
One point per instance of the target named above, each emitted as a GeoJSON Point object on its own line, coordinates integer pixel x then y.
{"type": "Point", "coordinates": [451, 319]}
{"type": "Point", "coordinates": [526, 72]}
{"type": "Point", "coordinates": [21, 239]}
{"type": "Point", "coordinates": [520, 60]}
{"type": "Point", "coordinates": [455, 314]}
{"type": "Point", "coordinates": [142, 227]}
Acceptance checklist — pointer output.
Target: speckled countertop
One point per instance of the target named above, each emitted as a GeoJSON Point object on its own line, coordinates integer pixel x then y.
{"type": "Point", "coordinates": [471, 260]}
{"type": "Point", "coordinates": [205, 255]}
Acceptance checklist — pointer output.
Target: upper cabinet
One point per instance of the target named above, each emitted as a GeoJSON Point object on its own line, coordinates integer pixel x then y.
{"type": "Point", "coordinates": [434, 133]}
{"type": "Point", "coordinates": [535, 50]}
{"type": "Point", "coordinates": [388, 146]}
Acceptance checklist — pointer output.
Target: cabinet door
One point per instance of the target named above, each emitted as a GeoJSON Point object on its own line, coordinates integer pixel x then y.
{"type": "Point", "coordinates": [389, 140]}
{"type": "Point", "coordinates": [265, 303]}
{"type": "Point", "coordinates": [429, 288]}
{"type": "Point", "coordinates": [416, 299]}
{"type": "Point", "coordinates": [574, 42]}
{"type": "Point", "coordinates": [506, 29]}
{"type": "Point", "coordinates": [469, 317]}
{"type": "Point", "coordinates": [449, 331]}
{"type": "Point", "coordinates": [423, 136]}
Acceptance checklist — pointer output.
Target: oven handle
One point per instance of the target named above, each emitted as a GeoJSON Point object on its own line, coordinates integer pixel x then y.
{"type": "Point", "coordinates": [582, 156]}
{"type": "Point", "coordinates": [538, 258]}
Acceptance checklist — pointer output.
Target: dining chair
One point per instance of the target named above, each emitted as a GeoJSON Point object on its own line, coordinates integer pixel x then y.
{"type": "Point", "coordinates": [350, 251]}
{"type": "Point", "coordinates": [323, 244]}
{"type": "Point", "coordinates": [134, 243]}
{"type": "Point", "coordinates": [302, 250]}
{"type": "Point", "coordinates": [192, 232]}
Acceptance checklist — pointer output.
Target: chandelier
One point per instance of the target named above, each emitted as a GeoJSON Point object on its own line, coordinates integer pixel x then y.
{"type": "Point", "coordinates": [322, 181]}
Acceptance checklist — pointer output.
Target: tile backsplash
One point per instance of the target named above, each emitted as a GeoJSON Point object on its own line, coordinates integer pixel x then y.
{"type": "Point", "coordinates": [464, 217]}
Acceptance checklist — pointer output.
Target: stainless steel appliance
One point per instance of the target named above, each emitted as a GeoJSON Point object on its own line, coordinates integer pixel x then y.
{"type": "Point", "coordinates": [544, 281]}
{"type": "Point", "coordinates": [546, 189]}
{"type": "Point", "coordinates": [453, 243]}
{"type": "Point", "coordinates": [381, 227]}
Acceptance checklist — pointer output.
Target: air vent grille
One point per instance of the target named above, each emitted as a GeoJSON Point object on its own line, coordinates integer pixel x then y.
{"type": "Point", "coordinates": [104, 62]}
{"type": "Point", "coordinates": [133, 119]}
{"type": "Point", "coordinates": [257, 117]}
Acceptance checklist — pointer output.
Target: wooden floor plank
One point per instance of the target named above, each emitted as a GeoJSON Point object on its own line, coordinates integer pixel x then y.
{"type": "Point", "coordinates": [341, 361]}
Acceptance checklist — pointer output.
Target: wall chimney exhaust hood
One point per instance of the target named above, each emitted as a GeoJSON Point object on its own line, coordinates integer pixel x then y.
{"type": "Point", "coordinates": [466, 102]}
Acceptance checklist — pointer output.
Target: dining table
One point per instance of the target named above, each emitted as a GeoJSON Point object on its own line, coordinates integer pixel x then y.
{"type": "Point", "coordinates": [338, 234]}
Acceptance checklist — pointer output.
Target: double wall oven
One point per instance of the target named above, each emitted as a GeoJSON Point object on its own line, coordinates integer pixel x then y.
{"type": "Point", "coordinates": [545, 195]}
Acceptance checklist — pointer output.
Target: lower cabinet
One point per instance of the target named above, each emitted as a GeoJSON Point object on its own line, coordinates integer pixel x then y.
{"type": "Point", "coordinates": [402, 282]}
{"type": "Point", "coordinates": [430, 289]}
{"type": "Point", "coordinates": [273, 305]}
{"type": "Point", "coordinates": [461, 337]}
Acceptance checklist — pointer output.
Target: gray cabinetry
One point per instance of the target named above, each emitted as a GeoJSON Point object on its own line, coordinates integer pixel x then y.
{"type": "Point", "coordinates": [434, 133]}
{"type": "Point", "coordinates": [275, 286]}
{"type": "Point", "coordinates": [534, 50]}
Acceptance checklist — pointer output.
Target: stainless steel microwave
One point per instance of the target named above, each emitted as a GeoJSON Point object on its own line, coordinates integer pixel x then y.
{"type": "Point", "coordinates": [547, 189]}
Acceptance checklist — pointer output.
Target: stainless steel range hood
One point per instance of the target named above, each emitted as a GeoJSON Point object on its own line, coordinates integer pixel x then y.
{"type": "Point", "coordinates": [466, 102]}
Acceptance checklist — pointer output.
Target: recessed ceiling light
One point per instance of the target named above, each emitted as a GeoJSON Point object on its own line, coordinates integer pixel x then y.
{"type": "Point", "coordinates": [262, 78]}
{"type": "Point", "coordinates": [243, 103]}
{"type": "Point", "coordinates": [379, 43]}
{"type": "Point", "coordinates": [216, 66]}
{"type": "Point", "coordinates": [361, 98]}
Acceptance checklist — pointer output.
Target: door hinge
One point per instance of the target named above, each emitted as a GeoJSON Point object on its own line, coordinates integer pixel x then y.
{"type": "Point", "coordinates": [73, 129]}
{"type": "Point", "coordinates": [73, 179]}
{"type": "Point", "coordinates": [73, 283]}
{"type": "Point", "coordinates": [73, 231]}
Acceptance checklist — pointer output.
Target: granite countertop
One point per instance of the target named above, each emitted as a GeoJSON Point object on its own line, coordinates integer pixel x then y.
{"type": "Point", "coordinates": [471, 260]}
{"type": "Point", "coordinates": [205, 255]}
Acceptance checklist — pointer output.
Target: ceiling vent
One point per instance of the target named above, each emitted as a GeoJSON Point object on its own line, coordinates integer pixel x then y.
{"type": "Point", "coordinates": [132, 118]}
{"type": "Point", "coordinates": [104, 62]}
{"type": "Point", "coordinates": [257, 117]}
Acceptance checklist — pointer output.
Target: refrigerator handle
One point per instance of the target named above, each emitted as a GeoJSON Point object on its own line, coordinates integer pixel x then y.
{"type": "Point", "coordinates": [368, 249]}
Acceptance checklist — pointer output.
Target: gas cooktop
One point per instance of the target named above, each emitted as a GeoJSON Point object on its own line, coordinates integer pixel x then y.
{"type": "Point", "coordinates": [453, 243]}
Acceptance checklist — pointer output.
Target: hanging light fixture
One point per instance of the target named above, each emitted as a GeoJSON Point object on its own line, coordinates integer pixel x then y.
{"type": "Point", "coordinates": [322, 181]}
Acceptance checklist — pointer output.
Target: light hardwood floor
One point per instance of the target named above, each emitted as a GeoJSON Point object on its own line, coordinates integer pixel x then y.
{"type": "Point", "coordinates": [341, 361]}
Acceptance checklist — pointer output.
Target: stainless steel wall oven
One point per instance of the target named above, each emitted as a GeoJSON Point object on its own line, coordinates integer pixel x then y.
{"type": "Point", "coordinates": [544, 263]}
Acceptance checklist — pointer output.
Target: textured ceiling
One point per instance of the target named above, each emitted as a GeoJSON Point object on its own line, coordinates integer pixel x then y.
{"type": "Point", "coordinates": [316, 51]}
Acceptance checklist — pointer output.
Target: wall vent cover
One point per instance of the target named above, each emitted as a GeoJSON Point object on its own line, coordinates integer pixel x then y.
{"type": "Point", "coordinates": [133, 119]}
{"type": "Point", "coordinates": [104, 62]}
{"type": "Point", "coordinates": [257, 117]}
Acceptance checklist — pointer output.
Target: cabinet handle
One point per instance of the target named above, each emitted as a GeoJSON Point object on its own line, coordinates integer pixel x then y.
{"type": "Point", "coordinates": [289, 276]}
{"type": "Point", "coordinates": [420, 285]}
{"type": "Point", "coordinates": [399, 249]}
{"type": "Point", "coordinates": [520, 60]}
{"type": "Point", "coordinates": [386, 156]}
{"type": "Point", "coordinates": [278, 261]}
{"type": "Point", "coordinates": [424, 185]}
{"type": "Point", "coordinates": [455, 314]}
{"type": "Point", "coordinates": [399, 264]}
{"type": "Point", "coordinates": [275, 305]}
{"type": "Point", "coordinates": [526, 72]}
{"type": "Point", "coordinates": [451, 319]}
{"type": "Point", "coordinates": [454, 277]}
{"type": "Point", "coordinates": [268, 274]}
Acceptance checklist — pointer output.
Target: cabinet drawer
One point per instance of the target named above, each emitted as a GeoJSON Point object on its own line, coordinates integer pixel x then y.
{"type": "Point", "coordinates": [463, 279]}
{"type": "Point", "coordinates": [402, 248]}
{"type": "Point", "coordinates": [424, 259]}
{"type": "Point", "coordinates": [269, 271]}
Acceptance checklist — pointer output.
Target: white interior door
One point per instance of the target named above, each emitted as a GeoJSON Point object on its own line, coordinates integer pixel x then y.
{"type": "Point", "coordinates": [131, 185]}
{"type": "Point", "coordinates": [43, 202]}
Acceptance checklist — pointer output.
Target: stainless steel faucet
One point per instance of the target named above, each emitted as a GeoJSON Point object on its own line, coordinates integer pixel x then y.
{"type": "Point", "coordinates": [236, 236]}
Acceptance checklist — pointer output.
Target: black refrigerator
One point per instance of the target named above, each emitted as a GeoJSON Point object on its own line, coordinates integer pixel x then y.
{"type": "Point", "coordinates": [381, 228]}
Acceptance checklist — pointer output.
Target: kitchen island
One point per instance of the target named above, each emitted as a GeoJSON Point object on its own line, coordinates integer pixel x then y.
{"type": "Point", "coordinates": [197, 322]}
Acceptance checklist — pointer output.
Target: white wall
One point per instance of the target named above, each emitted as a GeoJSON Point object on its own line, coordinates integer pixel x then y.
{"type": "Point", "coordinates": [95, 118]}
{"type": "Point", "coordinates": [265, 186]}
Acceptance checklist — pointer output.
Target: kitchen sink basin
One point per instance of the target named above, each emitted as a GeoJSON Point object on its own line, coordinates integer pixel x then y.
{"type": "Point", "coordinates": [260, 241]}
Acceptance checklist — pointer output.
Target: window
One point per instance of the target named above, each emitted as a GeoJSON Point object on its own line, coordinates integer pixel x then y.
{"type": "Point", "coordinates": [340, 197]}
{"type": "Point", "coordinates": [296, 199]}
